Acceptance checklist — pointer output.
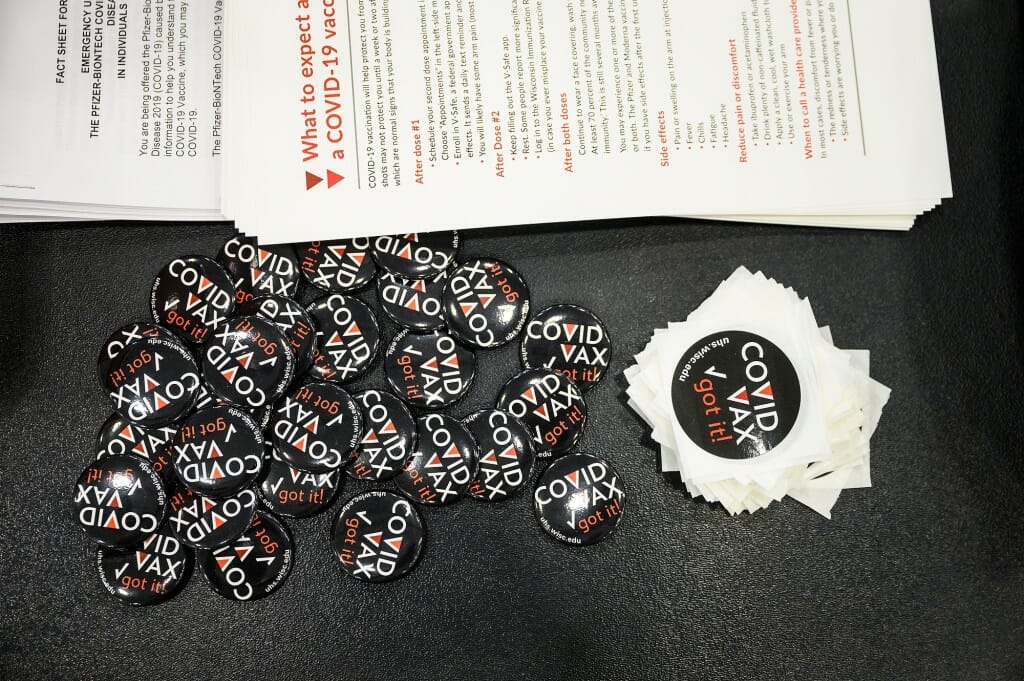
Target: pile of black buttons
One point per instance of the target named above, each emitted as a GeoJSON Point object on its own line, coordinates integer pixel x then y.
{"type": "Point", "coordinates": [230, 412]}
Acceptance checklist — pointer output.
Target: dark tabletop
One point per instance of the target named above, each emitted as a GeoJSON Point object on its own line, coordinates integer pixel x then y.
{"type": "Point", "coordinates": [919, 577]}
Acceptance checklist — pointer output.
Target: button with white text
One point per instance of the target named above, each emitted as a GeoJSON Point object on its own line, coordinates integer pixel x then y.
{"type": "Point", "coordinates": [485, 303]}
{"type": "Point", "coordinates": [570, 340]}
{"type": "Point", "coordinates": [506, 454]}
{"type": "Point", "coordinates": [416, 256]}
{"type": "Point", "coordinates": [389, 436]}
{"type": "Point", "coordinates": [118, 435]}
{"type": "Point", "coordinates": [248, 362]}
{"type": "Point", "coordinates": [338, 266]}
{"type": "Point", "coordinates": [127, 334]}
{"type": "Point", "coordinates": [291, 319]}
{"type": "Point", "coordinates": [252, 566]}
{"type": "Point", "coordinates": [191, 296]}
{"type": "Point", "coordinates": [578, 499]}
{"type": "Point", "coordinates": [550, 405]}
{"type": "Point", "coordinates": [377, 536]}
{"type": "Point", "coordinates": [429, 370]}
{"type": "Point", "coordinates": [348, 337]}
{"type": "Point", "coordinates": [152, 382]}
{"type": "Point", "coordinates": [316, 427]}
{"type": "Point", "coordinates": [119, 500]}
{"type": "Point", "coordinates": [295, 493]}
{"type": "Point", "coordinates": [207, 523]}
{"type": "Point", "coordinates": [259, 270]}
{"type": "Point", "coordinates": [412, 303]}
{"type": "Point", "coordinates": [149, 573]}
{"type": "Point", "coordinates": [218, 451]}
{"type": "Point", "coordinates": [444, 463]}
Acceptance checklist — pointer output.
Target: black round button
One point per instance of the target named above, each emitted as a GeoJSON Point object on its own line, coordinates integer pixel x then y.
{"type": "Point", "coordinates": [253, 565]}
{"type": "Point", "coordinates": [550, 405]}
{"type": "Point", "coordinates": [485, 303]}
{"type": "Point", "coordinates": [291, 319]}
{"type": "Point", "coordinates": [444, 463]}
{"type": "Point", "coordinates": [429, 370]}
{"type": "Point", "coordinates": [191, 296]}
{"type": "Point", "coordinates": [119, 500]}
{"type": "Point", "coordinates": [378, 536]}
{"type": "Point", "coordinates": [413, 303]}
{"type": "Point", "coordinates": [578, 499]}
{"type": "Point", "coordinates": [218, 451]}
{"type": "Point", "coordinates": [389, 436]}
{"type": "Point", "coordinates": [338, 266]}
{"type": "Point", "coordinates": [248, 362]}
{"type": "Point", "coordinates": [207, 523]}
{"type": "Point", "coordinates": [124, 336]}
{"type": "Point", "coordinates": [118, 435]}
{"type": "Point", "coordinates": [148, 574]}
{"type": "Point", "coordinates": [506, 454]}
{"type": "Point", "coordinates": [570, 340]}
{"type": "Point", "coordinates": [416, 256]}
{"type": "Point", "coordinates": [735, 394]}
{"type": "Point", "coordinates": [259, 270]}
{"type": "Point", "coordinates": [152, 382]}
{"type": "Point", "coordinates": [317, 427]}
{"type": "Point", "coordinates": [295, 493]}
{"type": "Point", "coordinates": [348, 338]}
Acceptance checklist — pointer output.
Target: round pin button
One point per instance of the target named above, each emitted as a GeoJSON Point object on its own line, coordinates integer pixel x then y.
{"type": "Point", "coordinates": [550, 405]}
{"type": "Point", "coordinates": [191, 296]}
{"type": "Point", "coordinates": [416, 256]}
{"type": "Point", "coordinates": [295, 493]}
{"type": "Point", "coordinates": [149, 573]}
{"type": "Point", "coordinates": [291, 319]}
{"type": "Point", "coordinates": [338, 266]}
{"type": "Point", "coordinates": [485, 303]}
{"type": "Point", "coordinates": [506, 454]}
{"type": "Point", "coordinates": [389, 436]}
{"type": "Point", "coordinates": [578, 499]}
{"type": "Point", "coordinates": [316, 427]}
{"type": "Point", "coordinates": [412, 303]}
{"type": "Point", "coordinates": [118, 436]}
{"type": "Point", "coordinates": [377, 536]}
{"type": "Point", "coordinates": [443, 464]}
{"type": "Point", "coordinates": [252, 566]}
{"type": "Point", "coordinates": [348, 338]}
{"type": "Point", "coordinates": [119, 500]}
{"type": "Point", "coordinates": [127, 334]}
{"type": "Point", "coordinates": [429, 370]}
{"type": "Point", "coordinates": [248, 362]}
{"type": "Point", "coordinates": [207, 523]}
{"type": "Point", "coordinates": [259, 270]}
{"type": "Point", "coordinates": [218, 451]}
{"type": "Point", "coordinates": [152, 382]}
{"type": "Point", "coordinates": [570, 340]}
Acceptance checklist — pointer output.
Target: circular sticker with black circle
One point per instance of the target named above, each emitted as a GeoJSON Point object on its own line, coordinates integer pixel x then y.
{"type": "Point", "coordinates": [259, 270]}
{"type": "Point", "coordinates": [191, 296]}
{"type": "Point", "coordinates": [338, 266]}
{"type": "Point", "coordinates": [377, 536]}
{"type": "Point", "coordinates": [152, 382]}
{"type": "Point", "coordinates": [429, 370]}
{"type": "Point", "coordinates": [485, 303]}
{"type": "Point", "coordinates": [735, 394]}
{"type": "Point", "coordinates": [413, 303]}
{"type": "Point", "coordinates": [252, 566]}
{"type": "Point", "coordinates": [416, 256]}
{"type": "Point", "coordinates": [570, 340]}
{"type": "Point", "coordinates": [578, 499]}
{"type": "Point", "coordinates": [248, 362]}
{"type": "Point", "coordinates": [207, 523]}
{"type": "Point", "coordinates": [295, 493]}
{"type": "Point", "coordinates": [118, 435]}
{"type": "Point", "coordinates": [291, 319]}
{"type": "Point", "coordinates": [218, 451]}
{"type": "Point", "coordinates": [119, 500]}
{"type": "Point", "coordinates": [389, 436]}
{"type": "Point", "coordinates": [124, 336]}
{"type": "Point", "coordinates": [316, 427]}
{"type": "Point", "coordinates": [443, 464]}
{"type": "Point", "coordinates": [550, 405]}
{"type": "Point", "coordinates": [506, 454]}
{"type": "Point", "coordinates": [149, 573]}
{"type": "Point", "coordinates": [348, 338]}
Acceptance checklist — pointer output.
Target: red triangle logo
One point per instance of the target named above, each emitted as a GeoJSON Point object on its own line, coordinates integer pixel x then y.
{"type": "Point", "coordinates": [434, 462]}
{"type": "Point", "coordinates": [371, 438]}
{"type": "Point", "coordinates": [217, 473]}
{"type": "Point", "coordinates": [452, 362]}
{"type": "Point", "coordinates": [245, 359]}
{"type": "Point", "coordinates": [353, 330]}
{"type": "Point", "coordinates": [485, 299]}
{"type": "Point", "coordinates": [567, 349]}
{"type": "Point", "coordinates": [375, 537]}
{"type": "Point", "coordinates": [300, 444]}
{"type": "Point", "coordinates": [204, 284]}
{"type": "Point", "coordinates": [572, 477]}
{"type": "Point", "coordinates": [467, 308]}
{"type": "Point", "coordinates": [222, 563]}
{"type": "Point", "coordinates": [542, 411]}
{"type": "Point", "coordinates": [243, 552]}
{"type": "Point", "coordinates": [193, 300]}
{"type": "Point", "coordinates": [141, 556]}
{"type": "Point", "coordinates": [229, 375]}
{"type": "Point", "coordinates": [358, 257]}
{"type": "Point", "coordinates": [740, 396]}
{"type": "Point", "coordinates": [395, 543]}
{"type": "Point", "coordinates": [765, 391]}
{"type": "Point", "coordinates": [115, 501]}
{"type": "Point", "coordinates": [126, 433]}
{"type": "Point", "coordinates": [389, 427]}
{"type": "Point", "coordinates": [528, 394]}
{"type": "Point", "coordinates": [215, 452]}
{"type": "Point", "coordinates": [312, 180]}
{"type": "Point", "coordinates": [453, 452]}
{"type": "Point", "coordinates": [263, 255]}
{"type": "Point", "coordinates": [139, 449]}
{"type": "Point", "coordinates": [413, 304]}
{"type": "Point", "coordinates": [431, 364]}
{"type": "Point", "coordinates": [419, 285]}
{"type": "Point", "coordinates": [336, 339]}
{"type": "Point", "coordinates": [217, 521]}
{"type": "Point", "coordinates": [313, 425]}
{"type": "Point", "coordinates": [569, 329]}
{"type": "Point", "coordinates": [150, 384]}
{"type": "Point", "coordinates": [490, 458]}
{"type": "Point", "coordinates": [333, 178]}
{"type": "Point", "coordinates": [406, 252]}
{"type": "Point", "coordinates": [160, 402]}
{"type": "Point", "coordinates": [207, 505]}
{"type": "Point", "coordinates": [510, 452]}
{"type": "Point", "coordinates": [338, 251]}
{"type": "Point", "coordinates": [111, 523]}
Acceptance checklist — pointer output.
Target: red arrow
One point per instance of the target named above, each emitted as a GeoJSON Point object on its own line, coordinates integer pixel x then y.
{"type": "Point", "coordinates": [333, 178]}
{"type": "Point", "coordinates": [312, 180]}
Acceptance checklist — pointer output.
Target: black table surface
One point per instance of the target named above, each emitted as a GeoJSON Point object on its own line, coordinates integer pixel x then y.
{"type": "Point", "coordinates": [919, 577]}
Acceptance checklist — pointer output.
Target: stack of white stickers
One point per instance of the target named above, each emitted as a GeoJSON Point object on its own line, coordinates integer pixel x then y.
{"type": "Point", "coordinates": [750, 401]}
